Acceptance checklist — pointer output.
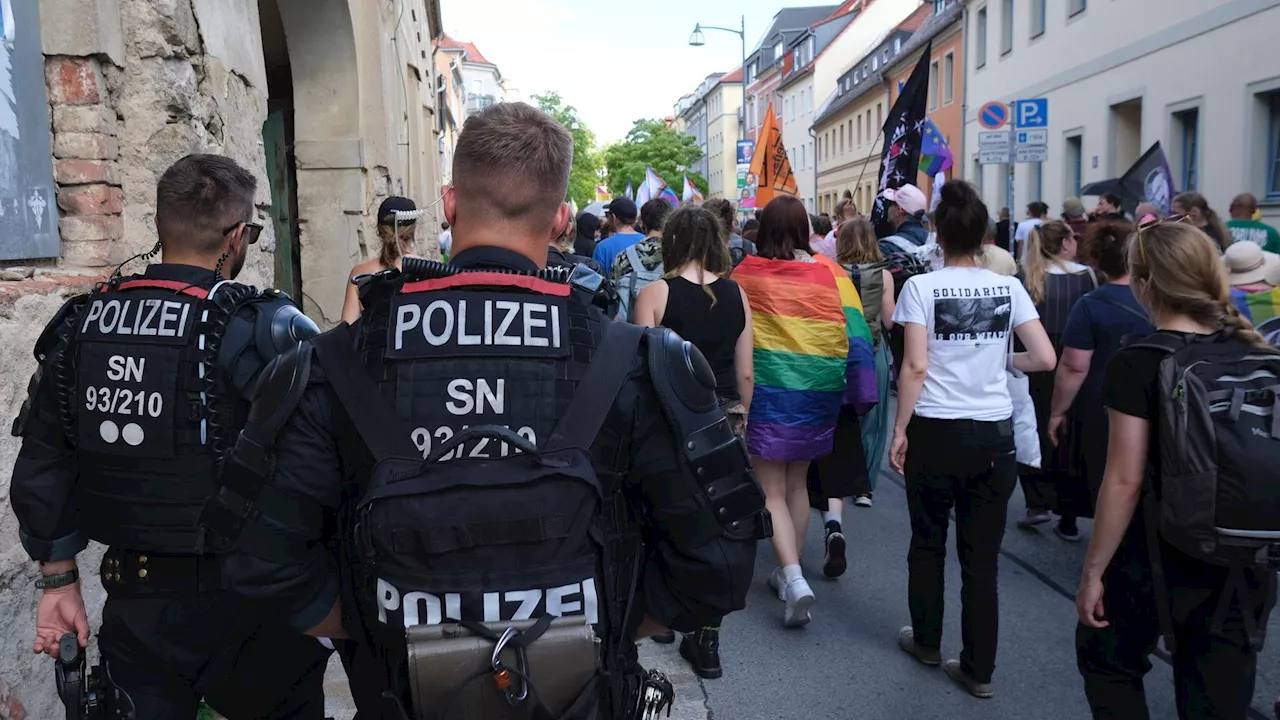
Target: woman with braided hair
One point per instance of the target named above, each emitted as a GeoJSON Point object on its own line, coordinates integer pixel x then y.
{"type": "Point", "coordinates": [1137, 580]}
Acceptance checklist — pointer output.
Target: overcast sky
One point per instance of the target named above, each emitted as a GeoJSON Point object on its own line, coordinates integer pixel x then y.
{"type": "Point", "coordinates": [615, 61]}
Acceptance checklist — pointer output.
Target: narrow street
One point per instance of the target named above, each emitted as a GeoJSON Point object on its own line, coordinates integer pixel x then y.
{"type": "Point", "coordinates": [846, 663]}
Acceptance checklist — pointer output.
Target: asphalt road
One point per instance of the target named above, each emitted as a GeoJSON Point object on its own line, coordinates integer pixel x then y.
{"type": "Point", "coordinates": [846, 663]}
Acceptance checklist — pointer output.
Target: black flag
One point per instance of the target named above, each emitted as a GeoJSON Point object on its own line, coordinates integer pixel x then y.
{"type": "Point", "coordinates": [903, 134]}
{"type": "Point", "coordinates": [1149, 180]}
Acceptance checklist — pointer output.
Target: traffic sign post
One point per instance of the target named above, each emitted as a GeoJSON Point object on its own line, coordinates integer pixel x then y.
{"type": "Point", "coordinates": [994, 147]}
{"type": "Point", "coordinates": [1032, 137]}
{"type": "Point", "coordinates": [1030, 153]}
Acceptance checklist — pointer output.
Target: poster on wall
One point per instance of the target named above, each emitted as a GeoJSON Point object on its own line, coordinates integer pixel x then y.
{"type": "Point", "coordinates": [28, 215]}
{"type": "Point", "coordinates": [746, 179]}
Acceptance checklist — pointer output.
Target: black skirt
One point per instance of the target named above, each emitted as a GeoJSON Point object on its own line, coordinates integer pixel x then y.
{"type": "Point", "coordinates": [843, 473]}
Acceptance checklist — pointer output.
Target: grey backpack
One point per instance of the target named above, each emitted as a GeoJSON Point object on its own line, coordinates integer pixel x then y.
{"type": "Point", "coordinates": [630, 285]}
{"type": "Point", "coordinates": [1218, 498]}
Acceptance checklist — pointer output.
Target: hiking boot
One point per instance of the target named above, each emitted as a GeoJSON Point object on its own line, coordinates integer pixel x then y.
{"type": "Point", "coordinates": [665, 638]}
{"type": "Point", "coordinates": [799, 598]}
{"type": "Point", "coordinates": [702, 650]}
{"type": "Point", "coordinates": [907, 641]}
{"type": "Point", "coordinates": [834, 564]}
{"type": "Point", "coordinates": [973, 687]}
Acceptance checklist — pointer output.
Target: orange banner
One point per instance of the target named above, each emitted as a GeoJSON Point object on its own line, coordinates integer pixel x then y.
{"type": "Point", "coordinates": [770, 164]}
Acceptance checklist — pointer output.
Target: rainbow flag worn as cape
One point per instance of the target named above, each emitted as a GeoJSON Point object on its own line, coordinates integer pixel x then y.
{"type": "Point", "coordinates": [813, 353]}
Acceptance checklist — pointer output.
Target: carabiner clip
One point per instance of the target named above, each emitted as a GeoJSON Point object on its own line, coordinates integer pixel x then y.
{"type": "Point", "coordinates": [502, 676]}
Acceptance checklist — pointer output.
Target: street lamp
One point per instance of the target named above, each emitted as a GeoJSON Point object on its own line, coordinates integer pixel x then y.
{"type": "Point", "coordinates": [697, 40]}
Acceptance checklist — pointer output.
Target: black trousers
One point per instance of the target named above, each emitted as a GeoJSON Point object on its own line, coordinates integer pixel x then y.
{"type": "Point", "coordinates": [1213, 671]}
{"type": "Point", "coordinates": [969, 466]}
{"type": "Point", "coordinates": [168, 652]}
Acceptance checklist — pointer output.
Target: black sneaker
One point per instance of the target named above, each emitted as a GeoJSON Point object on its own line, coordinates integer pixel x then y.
{"type": "Point", "coordinates": [665, 638]}
{"type": "Point", "coordinates": [702, 650]}
{"type": "Point", "coordinates": [834, 564]}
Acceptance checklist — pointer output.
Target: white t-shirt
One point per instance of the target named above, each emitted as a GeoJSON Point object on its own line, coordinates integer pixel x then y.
{"type": "Point", "coordinates": [968, 313]}
{"type": "Point", "coordinates": [1020, 235]}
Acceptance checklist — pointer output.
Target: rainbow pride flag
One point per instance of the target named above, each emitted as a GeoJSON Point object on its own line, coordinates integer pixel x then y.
{"type": "Point", "coordinates": [813, 353]}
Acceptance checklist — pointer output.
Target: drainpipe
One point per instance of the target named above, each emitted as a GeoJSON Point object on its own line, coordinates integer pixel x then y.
{"type": "Point", "coordinates": [813, 134]}
{"type": "Point", "coordinates": [964, 92]}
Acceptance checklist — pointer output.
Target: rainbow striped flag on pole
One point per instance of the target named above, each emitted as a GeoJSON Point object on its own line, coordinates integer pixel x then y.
{"type": "Point", "coordinates": [813, 353]}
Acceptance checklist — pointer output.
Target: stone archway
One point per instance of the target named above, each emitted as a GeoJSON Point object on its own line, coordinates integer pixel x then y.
{"type": "Point", "coordinates": [328, 149]}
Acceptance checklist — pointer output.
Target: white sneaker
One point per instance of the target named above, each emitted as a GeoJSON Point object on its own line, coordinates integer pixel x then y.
{"type": "Point", "coordinates": [778, 584]}
{"type": "Point", "coordinates": [862, 501]}
{"type": "Point", "coordinates": [799, 598]}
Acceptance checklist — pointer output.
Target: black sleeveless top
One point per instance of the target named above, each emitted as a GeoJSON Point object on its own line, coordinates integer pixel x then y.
{"type": "Point", "coordinates": [713, 330]}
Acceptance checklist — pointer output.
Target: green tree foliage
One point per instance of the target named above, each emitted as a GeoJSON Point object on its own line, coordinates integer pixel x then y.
{"type": "Point", "coordinates": [586, 158]}
{"type": "Point", "coordinates": [652, 144]}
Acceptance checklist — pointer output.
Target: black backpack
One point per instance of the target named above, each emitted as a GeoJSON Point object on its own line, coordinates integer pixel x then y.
{"type": "Point", "coordinates": [1218, 499]}
{"type": "Point", "coordinates": [518, 539]}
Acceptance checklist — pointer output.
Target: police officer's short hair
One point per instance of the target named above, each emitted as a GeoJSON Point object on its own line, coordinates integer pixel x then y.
{"type": "Point", "coordinates": [512, 163]}
{"type": "Point", "coordinates": [199, 197]}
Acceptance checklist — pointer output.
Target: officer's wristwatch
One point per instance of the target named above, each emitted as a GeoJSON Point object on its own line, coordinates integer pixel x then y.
{"type": "Point", "coordinates": [52, 582]}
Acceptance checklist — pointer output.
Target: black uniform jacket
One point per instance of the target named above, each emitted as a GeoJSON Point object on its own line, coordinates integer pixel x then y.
{"type": "Point", "coordinates": [45, 473]}
{"type": "Point", "coordinates": [318, 455]}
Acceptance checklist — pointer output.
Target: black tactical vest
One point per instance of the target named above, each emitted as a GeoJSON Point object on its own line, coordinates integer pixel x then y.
{"type": "Point", "coordinates": [144, 403]}
{"type": "Point", "coordinates": [484, 347]}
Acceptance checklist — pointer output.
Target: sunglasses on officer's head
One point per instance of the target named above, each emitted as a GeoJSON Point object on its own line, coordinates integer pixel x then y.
{"type": "Point", "coordinates": [251, 231]}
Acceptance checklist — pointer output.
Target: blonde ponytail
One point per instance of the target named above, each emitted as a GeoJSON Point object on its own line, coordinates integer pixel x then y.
{"type": "Point", "coordinates": [1044, 248]}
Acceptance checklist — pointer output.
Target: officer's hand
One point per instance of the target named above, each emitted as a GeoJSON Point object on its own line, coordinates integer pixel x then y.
{"type": "Point", "coordinates": [61, 611]}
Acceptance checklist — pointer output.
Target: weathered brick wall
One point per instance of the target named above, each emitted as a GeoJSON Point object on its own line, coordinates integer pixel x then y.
{"type": "Point", "coordinates": [118, 118]}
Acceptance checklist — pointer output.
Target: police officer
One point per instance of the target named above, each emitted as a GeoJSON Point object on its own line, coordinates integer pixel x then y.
{"type": "Point", "coordinates": [141, 386]}
{"type": "Point", "coordinates": [496, 372]}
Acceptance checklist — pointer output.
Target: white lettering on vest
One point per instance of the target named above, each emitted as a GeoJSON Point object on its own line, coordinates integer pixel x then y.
{"type": "Point", "coordinates": [424, 608]}
{"type": "Point", "coordinates": [112, 317]}
{"type": "Point", "coordinates": [468, 396]}
{"type": "Point", "coordinates": [406, 317]}
{"type": "Point", "coordinates": [502, 338]}
{"type": "Point", "coordinates": [443, 337]}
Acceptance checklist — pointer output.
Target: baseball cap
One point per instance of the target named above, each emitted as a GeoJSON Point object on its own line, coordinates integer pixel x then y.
{"type": "Point", "coordinates": [1072, 208]}
{"type": "Point", "coordinates": [622, 208]}
{"type": "Point", "coordinates": [392, 205]}
{"type": "Point", "coordinates": [907, 197]}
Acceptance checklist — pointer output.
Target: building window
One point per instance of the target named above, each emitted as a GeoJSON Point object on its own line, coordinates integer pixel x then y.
{"type": "Point", "coordinates": [939, 6]}
{"type": "Point", "coordinates": [879, 115]}
{"type": "Point", "coordinates": [1074, 164]}
{"type": "Point", "coordinates": [842, 139]}
{"type": "Point", "coordinates": [980, 45]}
{"type": "Point", "coordinates": [933, 85]}
{"type": "Point", "coordinates": [1075, 7]}
{"type": "Point", "coordinates": [948, 79]}
{"type": "Point", "coordinates": [897, 45]}
{"type": "Point", "coordinates": [1187, 126]}
{"type": "Point", "coordinates": [850, 134]}
{"type": "Point", "coordinates": [777, 51]}
{"type": "Point", "coordinates": [1006, 27]}
{"type": "Point", "coordinates": [875, 62]}
{"type": "Point", "coordinates": [1038, 12]}
{"type": "Point", "coordinates": [859, 130]}
{"type": "Point", "coordinates": [885, 56]}
{"type": "Point", "coordinates": [802, 158]}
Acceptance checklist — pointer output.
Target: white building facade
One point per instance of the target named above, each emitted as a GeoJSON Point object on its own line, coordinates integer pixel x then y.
{"type": "Point", "coordinates": [1201, 78]}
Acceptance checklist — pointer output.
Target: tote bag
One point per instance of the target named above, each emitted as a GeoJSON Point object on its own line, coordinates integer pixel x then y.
{"type": "Point", "coordinates": [1026, 433]}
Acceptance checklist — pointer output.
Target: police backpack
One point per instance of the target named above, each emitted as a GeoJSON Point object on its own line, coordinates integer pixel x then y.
{"type": "Point", "coordinates": [1219, 439]}
{"type": "Point", "coordinates": [493, 570]}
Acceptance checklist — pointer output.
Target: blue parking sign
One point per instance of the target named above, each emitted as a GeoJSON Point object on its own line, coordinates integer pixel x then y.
{"type": "Point", "coordinates": [1031, 113]}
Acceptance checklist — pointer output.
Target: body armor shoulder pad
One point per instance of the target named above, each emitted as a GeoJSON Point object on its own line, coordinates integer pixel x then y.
{"type": "Point", "coordinates": [685, 385]}
{"type": "Point", "coordinates": [281, 326]}
{"type": "Point", "coordinates": [679, 369]}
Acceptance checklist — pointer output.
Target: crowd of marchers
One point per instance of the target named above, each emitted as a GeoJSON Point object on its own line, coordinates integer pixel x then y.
{"type": "Point", "coordinates": [502, 471]}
